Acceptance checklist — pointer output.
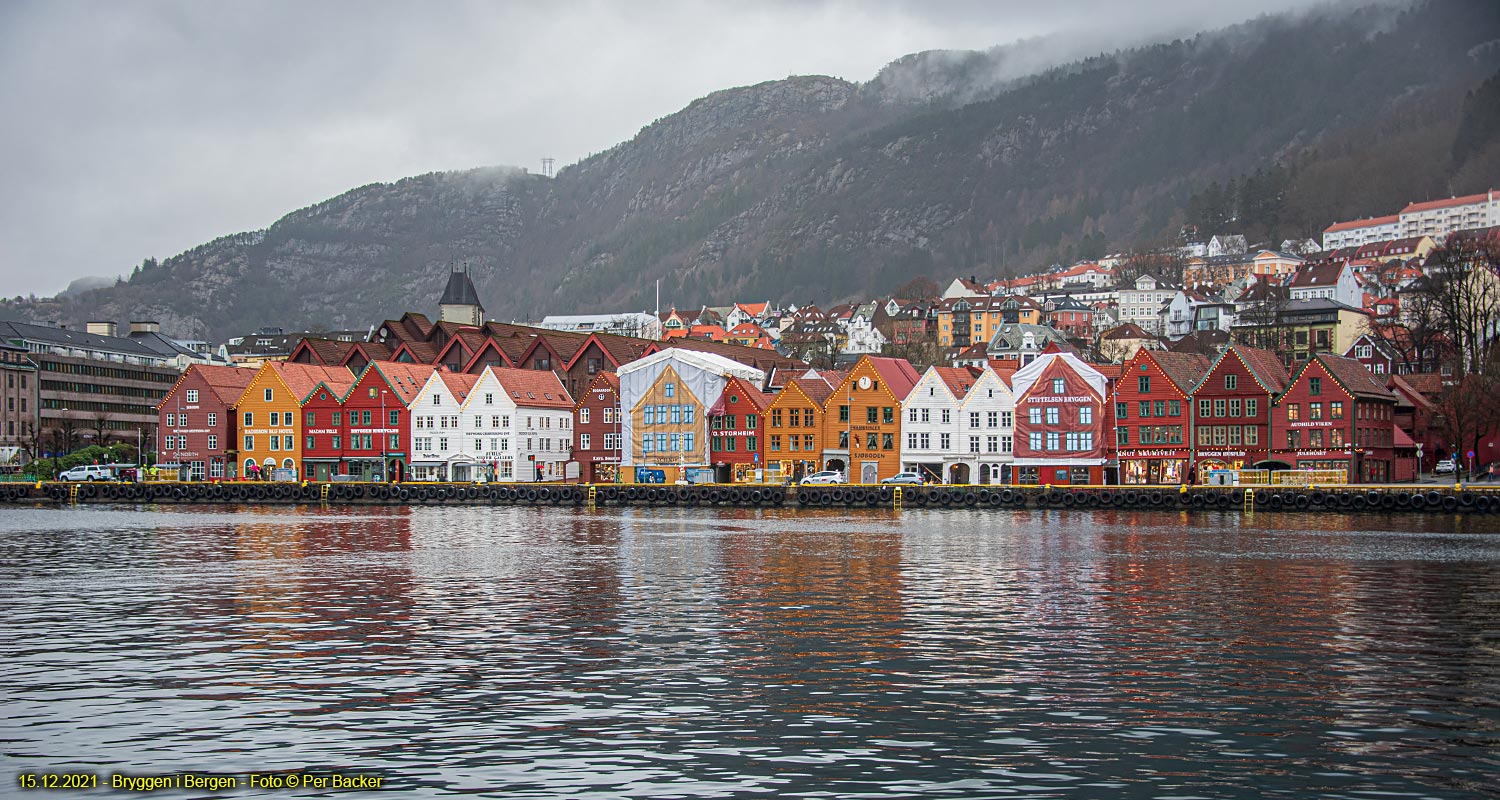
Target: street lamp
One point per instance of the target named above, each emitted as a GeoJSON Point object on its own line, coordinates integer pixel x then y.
{"type": "Point", "coordinates": [381, 427]}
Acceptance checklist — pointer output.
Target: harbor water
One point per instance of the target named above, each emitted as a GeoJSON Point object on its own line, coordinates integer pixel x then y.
{"type": "Point", "coordinates": [668, 652]}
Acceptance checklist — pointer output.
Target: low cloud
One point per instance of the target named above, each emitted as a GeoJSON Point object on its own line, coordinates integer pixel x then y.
{"type": "Point", "coordinates": [143, 129]}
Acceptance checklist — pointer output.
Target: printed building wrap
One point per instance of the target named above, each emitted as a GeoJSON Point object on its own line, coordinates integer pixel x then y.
{"type": "Point", "coordinates": [1059, 421]}
{"type": "Point", "coordinates": [667, 396]}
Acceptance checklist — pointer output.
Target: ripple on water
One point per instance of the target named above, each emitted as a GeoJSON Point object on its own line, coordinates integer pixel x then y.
{"type": "Point", "coordinates": [674, 653]}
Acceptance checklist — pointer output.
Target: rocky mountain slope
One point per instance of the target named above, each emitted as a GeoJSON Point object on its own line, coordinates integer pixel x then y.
{"type": "Point", "coordinates": [816, 188]}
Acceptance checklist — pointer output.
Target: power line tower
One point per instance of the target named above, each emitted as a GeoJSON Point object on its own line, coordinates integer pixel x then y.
{"type": "Point", "coordinates": [547, 167]}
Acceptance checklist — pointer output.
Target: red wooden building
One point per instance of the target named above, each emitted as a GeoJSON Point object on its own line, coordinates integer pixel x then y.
{"type": "Point", "coordinates": [196, 421]}
{"type": "Point", "coordinates": [322, 429]}
{"type": "Point", "coordinates": [377, 419]}
{"type": "Point", "coordinates": [1232, 410]}
{"type": "Point", "coordinates": [596, 425]}
{"type": "Point", "coordinates": [1334, 414]}
{"type": "Point", "coordinates": [1060, 419]}
{"type": "Point", "coordinates": [734, 430]}
{"type": "Point", "coordinates": [1153, 412]}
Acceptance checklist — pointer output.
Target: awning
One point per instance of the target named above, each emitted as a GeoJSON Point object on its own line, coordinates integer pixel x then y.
{"type": "Point", "coordinates": [322, 460]}
{"type": "Point", "coordinates": [1402, 440]}
{"type": "Point", "coordinates": [427, 463]}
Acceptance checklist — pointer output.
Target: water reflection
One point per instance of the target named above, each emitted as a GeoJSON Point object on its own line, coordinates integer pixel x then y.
{"type": "Point", "coordinates": [542, 652]}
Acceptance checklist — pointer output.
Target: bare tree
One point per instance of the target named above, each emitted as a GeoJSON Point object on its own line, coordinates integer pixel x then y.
{"type": "Point", "coordinates": [1469, 410]}
{"type": "Point", "coordinates": [1165, 263]}
{"type": "Point", "coordinates": [1464, 276]}
{"type": "Point", "coordinates": [922, 352]}
{"type": "Point", "coordinates": [65, 435]}
{"type": "Point", "coordinates": [1416, 333]}
{"type": "Point", "coordinates": [100, 425]}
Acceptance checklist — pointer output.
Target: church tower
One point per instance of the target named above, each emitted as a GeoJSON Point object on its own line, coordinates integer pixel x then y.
{"type": "Point", "coordinates": [460, 302]}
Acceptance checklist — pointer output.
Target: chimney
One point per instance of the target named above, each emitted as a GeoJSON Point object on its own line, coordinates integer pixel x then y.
{"type": "Point", "coordinates": [144, 327]}
{"type": "Point", "coordinates": [101, 328]}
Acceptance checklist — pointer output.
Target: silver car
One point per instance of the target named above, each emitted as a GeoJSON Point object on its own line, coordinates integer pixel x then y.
{"type": "Point", "coordinates": [825, 477]}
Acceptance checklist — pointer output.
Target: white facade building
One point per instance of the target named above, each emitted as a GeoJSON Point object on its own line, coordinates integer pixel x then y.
{"type": "Point", "coordinates": [542, 439]}
{"type": "Point", "coordinates": [1142, 302]}
{"type": "Point", "coordinates": [1360, 232]}
{"type": "Point", "coordinates": [439, 448]}
{"type": "Point", "coordinates": [863, 336]}
{"type": "Point", "coordinates": [959, 426]}
{"type": "Point", "coordinates": [639, 325]}
{"type": "Point", "coordinates": [988, 428]}
{"type": "Point", "coordinates": [1438, 218]}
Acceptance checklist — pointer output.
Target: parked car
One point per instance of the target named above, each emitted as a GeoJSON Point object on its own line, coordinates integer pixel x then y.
{"type": "Point", "coordinates": [827, 476]}
{"type": "Point", "coordinates": [1444, 467]}
{"type": "Point", "coordinates": [907, 478]}
{"type": "Point", "coordinates": [87, 473]}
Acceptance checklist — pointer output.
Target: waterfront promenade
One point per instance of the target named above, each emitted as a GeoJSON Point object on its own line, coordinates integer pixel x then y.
{"type": "Point", "coordinates": [1394, 498]}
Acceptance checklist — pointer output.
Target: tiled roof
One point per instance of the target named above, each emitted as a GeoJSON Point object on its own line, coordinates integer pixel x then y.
{"type": "Point", "coordinates": [1354, 376]}
{"type": "Point", "coordinates": [1429, 205]}
{"type": "Point", "coordinates": [758, 399]}
{"type": "Point", "coordinates": [327, 351]}
{"type": "Point", "coordinates": [1361, 223]}
{"type": "Point", "coordinates": [405, 379]}
{"type": "Point", "coordinates": [1129, 330]}
{"type": "Point", "coordinates": [421, 352]}
{"type": "Point", "coordinates": [1202, 342]}
{"type": "Point", "coordinates": [534, 388]}
{"type": "Point", "coordinates": [898, 373]}
{"type": "Point", "coordinates": [1265, 365]}
{"type": "Point", "coordinates": [959, 379]}
{"type": "Point", "coordinates": [1428, 383]}
{"type": "Point", "coordinates": [227, 382]}
{"type": "Point", "coordinates": [1401, 387]}
{"type": "Point", "coordinates": [302, 379]}
{"type": "Point", "coordinates": [816, 389]}
{"type": "Point", "coordinates": [1182, 369]}
{"type": "Point", "coordinates": [979, 351]}
{"type": "Point", "coordinates": [460, 383]}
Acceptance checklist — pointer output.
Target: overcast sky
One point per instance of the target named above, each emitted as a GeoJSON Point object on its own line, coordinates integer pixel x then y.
{"type": "Point", "coordinates": [135, 129]}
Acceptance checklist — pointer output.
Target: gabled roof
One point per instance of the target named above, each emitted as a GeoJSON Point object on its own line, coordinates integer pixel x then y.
{"type": "Point", "coordinates": [959, 380]}
{"type": "Point", "coordinates": [533, 387]}
{"type": "Point", "coordinates": [303, 379]}
{"type": "Point", "coordinates": [1430, 205]}
{"type": "Point", "coordinates": [1361, 223]}
{"type": "Point", "coordinates": [816, 389]}
{"type": "Point", "coordinates": [1129, 330]}
{"type": "Point", "coordinates": [226, 383]}
{"type": "Point", "coordinates": [406, 380]}
{"type": "Point", "coordinates": [979, 351]}
{"type": "Point", "coordinates": [1265, 365]}
{"type": "Point", "coordinates": [758, 399]}
{"type": "Point", "coordinates": [898, 373]}
{"type": "Point", "coordinates": [320, 351]}
{"type": "Point", "coordinates": [460, 383]}
{"type": "Point", "coordinates": [1184, 370]}
{"type": "Point", "coordinates": [372, 351]}
{"type": "Point", "coordinates": [1321, 274]}
{"type": "Point", "coordinates": [1352, 375]}
{"type": "Point", "coordinates": [1408, 392]}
